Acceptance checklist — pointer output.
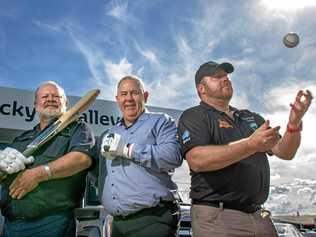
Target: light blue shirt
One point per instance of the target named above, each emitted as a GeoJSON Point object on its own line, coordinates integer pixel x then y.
{"type": "Point", "coordinates": [132, 185]}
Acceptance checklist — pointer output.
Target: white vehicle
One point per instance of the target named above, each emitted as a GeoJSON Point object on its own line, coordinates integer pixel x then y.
{"type": "Point", "coordinates": [287, 230]}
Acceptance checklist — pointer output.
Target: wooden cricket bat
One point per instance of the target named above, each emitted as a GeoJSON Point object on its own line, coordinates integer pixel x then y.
{"type": "Point", "coordinates": [63, 121]}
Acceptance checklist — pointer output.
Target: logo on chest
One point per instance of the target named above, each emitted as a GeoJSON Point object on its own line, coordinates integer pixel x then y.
{"type": "Point", "coordinates": [251, 122]}
{"type": "Point", "coordinates": [224, 124]}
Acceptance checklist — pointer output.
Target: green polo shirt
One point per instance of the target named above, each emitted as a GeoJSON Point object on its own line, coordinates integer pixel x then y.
{"type": "Point", "coordinates": [56, 195]}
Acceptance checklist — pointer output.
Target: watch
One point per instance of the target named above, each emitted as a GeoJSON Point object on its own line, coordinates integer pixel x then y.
{"type": "Point", "coordinates": [48, 171]}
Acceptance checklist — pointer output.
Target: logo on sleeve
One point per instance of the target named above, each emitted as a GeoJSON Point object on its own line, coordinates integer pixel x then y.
{"type": "Point", "coordinates": [253, 125]}
{"type": "Point", "coordinates": [185, 137]}
{"type": "Point", "coordinates": [224, 124]}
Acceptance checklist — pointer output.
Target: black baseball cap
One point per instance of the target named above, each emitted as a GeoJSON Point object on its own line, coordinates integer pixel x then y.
{"type": "Point", "coordinates": [210, 69]}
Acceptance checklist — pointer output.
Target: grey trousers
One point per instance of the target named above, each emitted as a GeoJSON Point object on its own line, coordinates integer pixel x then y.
{"type": "Point", "coordinates": [210, 221]}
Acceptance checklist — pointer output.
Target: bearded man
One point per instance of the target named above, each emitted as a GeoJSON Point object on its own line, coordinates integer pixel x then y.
{"type": "Point", "coordinates": [40, 193]}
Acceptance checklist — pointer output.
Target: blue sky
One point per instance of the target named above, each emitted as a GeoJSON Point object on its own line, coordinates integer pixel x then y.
{"type": "Point", "coordinates": [91, 44]}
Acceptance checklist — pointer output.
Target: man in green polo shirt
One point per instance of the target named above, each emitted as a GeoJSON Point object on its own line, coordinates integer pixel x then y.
{"type": "Point", "coordinates": [38, 198]}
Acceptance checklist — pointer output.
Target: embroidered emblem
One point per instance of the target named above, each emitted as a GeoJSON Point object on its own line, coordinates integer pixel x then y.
{"type": "Point", "coordinates": [185, 136]}
{"type": "Point", "coordinates": [253, 125]}
{"type": "Point", "coordinates": [224, 124]}
{"type": "Point", "coordinates": [251, 122]}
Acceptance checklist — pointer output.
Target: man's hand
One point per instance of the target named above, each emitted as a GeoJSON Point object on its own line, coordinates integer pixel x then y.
{"type": "Point", "coordinates": [264, 138]}
{"type": "Point", "coordinates": [13, 161]}
{"type": "Point", "coordinates": [298, 109]}
{"type": "Point", "coordinates": [113, 145]}
{"type": "Point", "coordinates": [24, 183]}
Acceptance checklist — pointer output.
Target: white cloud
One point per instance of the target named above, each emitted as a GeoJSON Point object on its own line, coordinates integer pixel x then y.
{"type": "Point", "coordinates": [184, 48]}
{"type": "Point", "coordinates": [211, 45]}
{"type": "Point", "coordinates": [281, 96]}
{"type": "Point", "coordinates": [291, 197]}
{"type": "Point", "coordinates": [275, 176]}
{"type": "Point", "coordinates": [105, 73]}
{"type": "Point", "coordinates": [119, 10]}
{"type": "Point", "coordinates": [278, 100]}
{"type": "Point", "coordinates": [304, 191]}
{"type": "Point", "coordinates": [288, 5]}
{"type": "Point", "coordinates": [281, 198]}
{"type": "Point", "coordinates": [304, 182]}
{"type": "Point", "coordinates": [172, 84]}
{"type": "Point", "coordinates": [93, 57]}
{"type": "Point", "coordinates": [50, 27]}
{"type": "Point", "coordinates": [240, 101]}
{"type": "Point", "coordinates": [148, 54]}
{"type": "Point", "coordinates": [116, 71]}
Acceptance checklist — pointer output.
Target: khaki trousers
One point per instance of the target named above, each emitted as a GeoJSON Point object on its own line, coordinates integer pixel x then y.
{"type": "Point", "coordinates": [210, 221]}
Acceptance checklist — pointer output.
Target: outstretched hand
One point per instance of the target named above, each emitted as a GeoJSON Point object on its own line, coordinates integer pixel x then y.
{"type": "Point", "coordinates": [298, 109]}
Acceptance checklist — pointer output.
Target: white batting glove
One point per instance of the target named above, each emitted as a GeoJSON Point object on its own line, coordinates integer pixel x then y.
{"type": "Point", "coordinates": [113, 145]}
{"type": "Point", "coordinates": [13, 161]}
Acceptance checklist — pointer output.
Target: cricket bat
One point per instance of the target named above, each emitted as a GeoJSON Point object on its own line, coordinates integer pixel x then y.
{"type": "Point", "coordinates": [63, 121]}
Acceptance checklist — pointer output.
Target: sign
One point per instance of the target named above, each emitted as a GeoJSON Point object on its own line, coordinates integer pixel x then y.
{"type": "Point", "coordinates": [17, 112]}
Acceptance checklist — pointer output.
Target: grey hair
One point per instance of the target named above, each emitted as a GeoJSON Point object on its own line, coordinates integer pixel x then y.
{"type": "Point", "coordinates": [139, 82]}
{"type": "Point", "coordinates": [60, 89]}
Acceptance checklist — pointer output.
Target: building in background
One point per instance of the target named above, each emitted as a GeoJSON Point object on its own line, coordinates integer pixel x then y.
{"type": "Point", "coordinates": [17, 113]}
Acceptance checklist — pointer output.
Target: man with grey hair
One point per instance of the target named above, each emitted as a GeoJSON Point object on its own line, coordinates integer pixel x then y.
{"type": "Point", "coordinates": [136, 158]}
{"type": "Point", "coordinates": [39, 195]}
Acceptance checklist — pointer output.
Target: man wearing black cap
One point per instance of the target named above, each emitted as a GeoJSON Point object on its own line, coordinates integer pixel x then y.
{"type": "Point", "coordinates": [226, 150]}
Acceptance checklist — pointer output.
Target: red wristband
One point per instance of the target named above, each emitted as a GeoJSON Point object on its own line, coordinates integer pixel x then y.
{"type": "Point", "coordinates": [290, 129]}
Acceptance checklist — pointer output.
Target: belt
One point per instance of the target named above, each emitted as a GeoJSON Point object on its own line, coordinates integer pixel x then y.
{"type": "Point", "coordinates": [13, 218]}
{"type": "Point", "coordinates": [228, 205]}
{"type": "Point", "coordinates": [162, 205]}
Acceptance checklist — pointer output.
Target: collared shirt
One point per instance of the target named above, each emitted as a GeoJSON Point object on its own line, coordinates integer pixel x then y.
{"type": "Point", "coordinates": [244, 182]}
{"type": "Point", "coordinates": [56, 195]}
{"type": "Point", "coordinates": [132, 185]}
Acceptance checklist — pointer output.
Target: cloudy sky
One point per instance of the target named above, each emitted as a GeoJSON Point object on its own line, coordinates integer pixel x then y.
{"type": "Point", "coordinates": [87, 44]}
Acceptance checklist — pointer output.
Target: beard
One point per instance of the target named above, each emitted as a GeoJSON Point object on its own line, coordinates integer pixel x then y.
{"type": "Point", "coordinates": [223, 94]}
{"type": "Point", "coordinates": [49, 114]}
{"type": "Point", "coordinates": [227, 96]}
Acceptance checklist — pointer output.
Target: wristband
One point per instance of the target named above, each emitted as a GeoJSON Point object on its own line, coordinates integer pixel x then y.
{"type": "Point", "coordinates": [48, 171]}
{"type": "Point", "coordinates": [290, 129]}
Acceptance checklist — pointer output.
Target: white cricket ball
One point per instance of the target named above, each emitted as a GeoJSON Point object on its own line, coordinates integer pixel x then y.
{"type": "Point", "coordinates": [291, 40]}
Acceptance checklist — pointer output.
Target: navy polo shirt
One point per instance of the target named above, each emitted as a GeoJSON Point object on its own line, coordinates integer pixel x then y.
{"type": "Point", "coordinates": [246, 182]}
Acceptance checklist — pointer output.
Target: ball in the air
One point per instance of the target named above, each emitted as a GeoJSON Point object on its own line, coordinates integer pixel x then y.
{"type": "Point", "coordinates": [291, 40]}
